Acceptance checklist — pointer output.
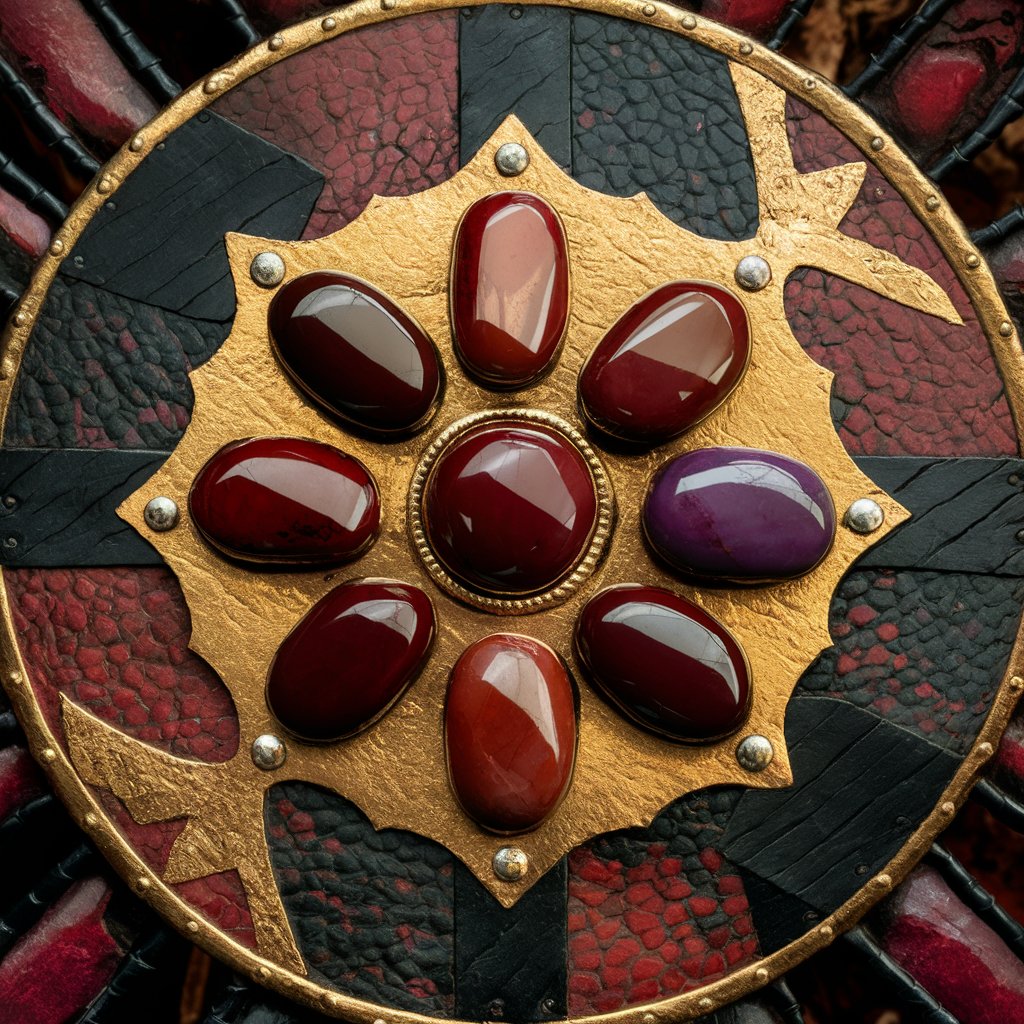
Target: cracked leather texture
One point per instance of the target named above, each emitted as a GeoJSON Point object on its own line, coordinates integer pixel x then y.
{"type": "Point", "coordinates": [372, 912]}
{"type": "Point", "coordinates": [906, 383]}
{"type": "Point", "coordinates": [656, 911]}
{"type": "Point", "coordinates": [102, 371]}
{"type": "Point", "coordinates": [923, 650]}
{"type": "Point", "coordinates": [116, 642]}
{"type": "Point", "coordinates": [374, 110]}
{"type": "Point", "coordinates": [653, 112]}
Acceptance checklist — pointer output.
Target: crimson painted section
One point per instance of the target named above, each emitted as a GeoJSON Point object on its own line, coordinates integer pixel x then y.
{"type": "Point", "coordinates": [84, 82]}
{"type": "Point", "coordinates": [63, 962]}
{"type": "Point", "coordinates": [666, 663]}
{"type": "Point", "coordinates": [26, 229]}
{"type": "Point", "coordinates": [509, 507]}
{"type": "Point", "coordinates": [756, 17]}
{"type": "Point", "coordinates": [375, 110]}
{"type": "Point", "coordinates": [907, 383]}
{"type": "Point", "coordinates": [510, 731]}
{"type": "Point", "coordinates": [20, 779]}
{"type": "Point", "coordinates": [510, 288]}
{"type": "Point", "coordinates": [286, 499]}
{"type": "Point", "coordinates": [350, 658]}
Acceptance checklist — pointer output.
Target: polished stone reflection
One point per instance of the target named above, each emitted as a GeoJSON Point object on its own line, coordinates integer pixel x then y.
{"type": "Point", "coordinates": [669, 665]}
{"type": "Point", "coordinates": [285, 499]}
{"type": "Point", "coordinates": [510, 732]}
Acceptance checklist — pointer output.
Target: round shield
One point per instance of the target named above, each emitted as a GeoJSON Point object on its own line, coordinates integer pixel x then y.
{"type": "Point", "coordinates": [516, 538]}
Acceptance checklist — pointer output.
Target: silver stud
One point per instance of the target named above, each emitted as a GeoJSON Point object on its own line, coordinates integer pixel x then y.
{"type": "Point", "coordinates": [878, 143]}
{"type": "Point", "coordinates": [864, 516]}
{"type": "Point", "coordinates": [269, 752]}
{"type": "Point", "coordinates": [511, 159]}
{"type": "Point", "coordinates": [510, 863]}
{"type": "Point", "coordinates": [755, 753]}
{"type": "Point", "coordinates": [267, 269]}
{"type": "Point", "coordinates": [161, 514]}
{"type": "Point", "coordinates": [753, 273]}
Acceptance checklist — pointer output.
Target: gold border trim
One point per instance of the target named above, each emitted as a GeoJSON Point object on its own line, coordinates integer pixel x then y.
{"type": "Point", "coordinates": [583, 567]}
{"type": "Point", "coordinates": [877, 146]}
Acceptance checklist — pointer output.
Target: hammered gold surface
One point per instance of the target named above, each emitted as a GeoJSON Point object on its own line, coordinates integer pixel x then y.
{"type": "Point", "coordinates": [620, 249]}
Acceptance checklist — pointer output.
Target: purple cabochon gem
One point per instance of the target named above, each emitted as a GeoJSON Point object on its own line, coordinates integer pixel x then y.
{"type": "Point", "coordinates": [739, 514]}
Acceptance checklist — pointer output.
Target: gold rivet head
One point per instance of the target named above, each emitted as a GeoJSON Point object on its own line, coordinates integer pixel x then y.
{"type": "Point", "coordinates": [144, 882]}
{"type": "Point", "coordinates": [16, 677]}
{"type": "Point", "coordinates": [932, 202]}
{"type": "Point", "coordinates": [56, 247]}
{"type": "Point", "coordinates": [1016, 683]}
{"type": "Point", "coordinates": [877, 143]}
{"type": "Point", "coordinates": [825, 931]}
{"type": "Point", "coordinates": [986, 749]}
{"type": "Point", "coordinates": [761, 974]}
{"type": "Point", "coordinates": [329, 24]}
{"type": "Point", "coordinates": [883, 881]}
{"type": "Point", "coordinates": [137, 143]}
{"type": "Point", "coordinates": [275, 42]}
{"type": "Point", "coordinates": [510, 864]}
{"type": "Point", "coordinates": [688, 21]}
{"type": "Point", "coordinates": [948, 807]}
{"type": "Point", "coordinates": [810, 83]}
{"type": "Point", "coordinates": [91, 820]}
{"type": "Point", "coordinates": [648, 10]}
{"type": "Point", "coordinates": [49, 754]}
{"type": "Point", "coordinates": [192, 926]}
{"type": "Point", "coordinates": [705, 1003]}
{"type": "Point", "coordinates": [21, 318]}
{"type": "Point", "coordinates": [104, 185]}
{"type": "Point", "coordinates": [746, 49]}
{"type": "Point", "coordinates": [973, 260]}
{"type": "Point", "coordinates": [1006, 329]}
{"type": "Point", "coordinates": [388, 5]}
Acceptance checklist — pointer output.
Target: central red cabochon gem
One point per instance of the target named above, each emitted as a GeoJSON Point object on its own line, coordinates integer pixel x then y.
{"type": "Point", "coordinates": [510, 507]}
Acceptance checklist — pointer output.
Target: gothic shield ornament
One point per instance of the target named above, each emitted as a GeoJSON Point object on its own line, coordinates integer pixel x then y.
{"type": "Point", "coordinates": [535, 575]}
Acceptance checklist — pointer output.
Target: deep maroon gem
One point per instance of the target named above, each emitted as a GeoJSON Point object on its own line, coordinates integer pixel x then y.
{"type": "Point", "coordinates": [350, 658]}
{"type": "Point", "coordinates": [510, 507]}
{"type": "Point", "coordinates": [355, 351]}
{"type": "Point", "coordinates": [510, 731]}
{"type": "Point", "coordinates": [668, 361]}
{"type": "Point", "coordinates": [665, 662]}
{"type": "Point", "coordinates": [510, 288]}
{"type": "Point", "coordinates": [285, 499]}
{"type": "Point", "coordinates": [739, 514]}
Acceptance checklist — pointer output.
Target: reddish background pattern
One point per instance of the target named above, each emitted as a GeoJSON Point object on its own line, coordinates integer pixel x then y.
{"type": "Point", "coordinates": [657, 911]}
{"type": "Point", "coordinates": [906, 383]}
{"type": "Point", "coordinates": [374, 110]}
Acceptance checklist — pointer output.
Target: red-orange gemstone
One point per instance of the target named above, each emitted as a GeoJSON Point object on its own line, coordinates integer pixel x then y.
{"type": "Point", "coordinates": [510, 507]}
{"type": "Point", "coordinates": [668, 361]}
{"type": "Point", "coordinates": [356, 351]}
{"type": "Point", "coordinates": [285, 499]}
{"type": "Point", "coordinates": [510, 288]}
{"type": "Point", "coordinates": [510, 732]}
{"type": "Point", "coordinates": [350, 658]}
{"type": "Point", "coordinates": [666, 663]}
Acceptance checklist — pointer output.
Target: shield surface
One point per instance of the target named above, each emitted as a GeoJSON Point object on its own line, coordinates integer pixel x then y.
{"type": "Point", "coordinates": [613, 676]}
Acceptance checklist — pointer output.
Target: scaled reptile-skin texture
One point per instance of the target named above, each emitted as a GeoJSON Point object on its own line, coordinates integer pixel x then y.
{"type": "Point", "coordinates": [656, 911]}
{"type": "Point", "coordinates": [116, 642]}
{"type": "Point", "coordinates": [374, 110]}
{"type": "Point", "coordinates": [653, 112]}
{"type": "Point", "coordinates": [372, 912]}
{"type": "Point", "coordinates": [907, 383]}
{"type": "Point", "coordinates": [102, 371]}
{"type": "Point", "coordinates": [923, 650]}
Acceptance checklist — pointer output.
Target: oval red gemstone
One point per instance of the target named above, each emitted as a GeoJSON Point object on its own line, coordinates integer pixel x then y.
{"type": "Point", "coordinates": [510, 288]}
{"type": "Point", "coordinates": [668, 361]}
{"type": "Point", "coordinates": [665, 662]}
{"type": "Point", "coordinates": [510, 732]}
{"type": "Point", "coordinates": [510, 507]}
{"type": "Point", "coordinates": [355, 351]}
{"type": "Point", "coordinates": [350, 658]}
{"type": "Point", "coordinates": [285, 499]}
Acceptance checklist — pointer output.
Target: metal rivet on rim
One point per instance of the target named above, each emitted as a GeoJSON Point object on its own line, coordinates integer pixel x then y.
{"type": "Point", "coordinates": [688, 21]}
{"type": "Point", "coordinates": [864, 516]}
{"type": "Point", "coordinates": [275, 42]}
{"type": "Point", "coordinates": [510, 863]}
{"type": "Point", "coordinates": [877, 143]}
{"type": "Point", "coordinates": [649, 10]}
{"type": "Point", "coordinates": [21, 318]}
{"type": "Point", "coordinates": [137, 143]}
{"type": "Point", "coordinates": [267, 269]}
{"type": "Point", "coordinates": [511, 159]}
{"type": "Point", "coordinates": [49, 754]}
{"type": "Point", "coordinates": [755, 753]}
{"type": "Point", "coordinates": [753, 273]}
{"type": "Point", "coordinates": [746, 49]}
{"type": "Point", "coordinates": [388, 5]}
{"type": "Point", "coordinates": [973, 260]}
{"type": "Point", "coordinates": [1006, 329]}
{"type": "Point", "coordinates": [161, 514]}
{"type": "Point", "coordinates": [56, 247]}
{"type": "Point", "coordinates": [932, 202]}
{"type": "Point", "coordinates": [328, 24]}
{"type": "Point", "coordinates": [269, 752]}
{"type": "Point", "coordinates": [104, 185]}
